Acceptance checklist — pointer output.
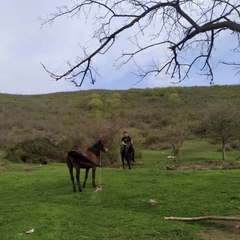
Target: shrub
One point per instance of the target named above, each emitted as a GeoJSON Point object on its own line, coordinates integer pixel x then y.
{"type": "Point", "coordinates": [151, 139]}
{"type": "Point", "coordinates": [41, 150]}
{"type": "Point", "coordinates": [165, 146]}
{"type": "Point", "coordinates": [235, 144]}
{"type": "Point", "coordinates": [95, 103]}
{"type": "Point", "coordinates": [167, 120]}
{"type": "Point", "coordinates": [227, 148]}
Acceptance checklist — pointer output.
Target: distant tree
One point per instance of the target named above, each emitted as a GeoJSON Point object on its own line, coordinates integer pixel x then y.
{"type": "Point", "coordinates": [173, 99]}
{"type": "Point", "coordinates": [112, 102]}
{"type": "Point", "coordinates": [95, 95]}
{"type": "Point", "coordinates": [188, 30]}
{"type": "Point", "coordinates": [221, 124]}
{"type": "Point", "coordinates": [95, 103]}
{"type": "Point", "coordinates": [95, 106]}
{"type": "Point", "coordinates": [176, 134]}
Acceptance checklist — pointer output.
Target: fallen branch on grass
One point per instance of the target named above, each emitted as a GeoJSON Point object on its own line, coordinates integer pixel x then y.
{"type": "Point", "coordinates": [203, 218]}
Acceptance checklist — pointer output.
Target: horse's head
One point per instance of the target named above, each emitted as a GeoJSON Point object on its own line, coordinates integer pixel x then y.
{"type": "Point", "coordinates": [128, 146]}
{"type": "Point", "coordinates": [102, 146]}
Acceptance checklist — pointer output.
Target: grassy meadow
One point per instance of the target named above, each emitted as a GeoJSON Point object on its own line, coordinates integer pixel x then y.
{"type": "Point", "coordinates": [42, 128]}
{"type": "Point", "coordinates": [41, 198]}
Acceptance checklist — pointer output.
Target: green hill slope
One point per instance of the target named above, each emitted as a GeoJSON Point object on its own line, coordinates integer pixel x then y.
{"type": "Point", "coordinates": [74, 119]}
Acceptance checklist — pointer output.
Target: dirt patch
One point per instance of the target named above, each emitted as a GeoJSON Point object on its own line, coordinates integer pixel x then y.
{"type": "Point", "coordinates": [207, 165]}
{"type": "Point", "coordinates": [18, 168]}
{"type": "Point", "coordinates": [222, 230]}
{"type": "Point", "coordinates": [29, 169]}
{"type": "Point", "coordinates": [2, 169]}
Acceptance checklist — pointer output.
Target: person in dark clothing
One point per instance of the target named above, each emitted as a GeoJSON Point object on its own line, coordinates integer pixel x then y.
{"type": "Point", "coordinates": [125, 139]}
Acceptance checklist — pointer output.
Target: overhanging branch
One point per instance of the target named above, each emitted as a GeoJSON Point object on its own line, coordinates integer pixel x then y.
{"type": "Point", "coordinates": [178, 26]}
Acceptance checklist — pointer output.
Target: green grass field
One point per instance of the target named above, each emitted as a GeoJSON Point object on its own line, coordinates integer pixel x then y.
{"type": "Point", "coordinates": [41, 198]}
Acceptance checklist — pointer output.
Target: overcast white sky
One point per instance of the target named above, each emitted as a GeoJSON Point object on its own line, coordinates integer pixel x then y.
{"type": "Point", "coordinates": [24, 44]}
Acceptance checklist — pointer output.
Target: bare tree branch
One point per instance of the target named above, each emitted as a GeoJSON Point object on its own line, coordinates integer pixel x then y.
{"type": "Point", "coordinates": [182, 27]}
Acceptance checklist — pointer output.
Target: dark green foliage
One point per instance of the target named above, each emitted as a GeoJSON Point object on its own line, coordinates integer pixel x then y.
{"type": "Point", "coordinates": [37, 151]}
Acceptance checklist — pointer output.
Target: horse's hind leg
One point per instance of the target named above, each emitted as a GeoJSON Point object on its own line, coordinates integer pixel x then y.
{"type": "Point", "coordinates": [72, 179]}
{"type": "Point", "coordinates": [122, 157]}
{"type": "Point", "coordinates": [93, 176]}
{"type": "Point", "coordinates": [78, 179]}
{"type": "Point", "coordinates": [70, 167]}
{"type": "Point", "coordinates": [86, 177]}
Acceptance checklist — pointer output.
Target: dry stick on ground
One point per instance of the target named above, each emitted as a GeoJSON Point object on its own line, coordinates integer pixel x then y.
{"type": "Point", "coordinates": [203, 218]}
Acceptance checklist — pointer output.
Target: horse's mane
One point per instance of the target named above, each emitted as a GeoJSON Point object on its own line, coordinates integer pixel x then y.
{"type": "Point", "coordinates": [128, 145]}
{"type": "Point", "coordinates": [96, 148]}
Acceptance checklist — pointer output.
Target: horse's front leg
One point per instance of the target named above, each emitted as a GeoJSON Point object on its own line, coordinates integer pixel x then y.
{"type": "Point", "coordinates": [93, 176]}
{"type": "Point", "coordinates": [86, 177]}
{"type": "Point", "coordinates": [128, 159]}
{"type": "Point", "coordinates": [129, 164]}
{"type": "Point", "coordinates": [123, 164]}
{"type": "Point", "coordinates": [122, 158]}
{"type": "Point", "coordinates": [132, 156]}
{"type": "Point", "coordinates": [78, 179]}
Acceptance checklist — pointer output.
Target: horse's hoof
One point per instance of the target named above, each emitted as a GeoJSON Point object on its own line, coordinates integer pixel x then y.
{"type": "Point", "coordinates": [98, 189]}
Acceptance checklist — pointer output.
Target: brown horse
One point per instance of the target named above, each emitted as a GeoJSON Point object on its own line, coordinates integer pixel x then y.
{"type": "Point", "coordinates": [85, 159]}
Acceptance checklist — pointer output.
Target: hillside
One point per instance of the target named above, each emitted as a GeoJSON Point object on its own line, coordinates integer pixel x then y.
{"type": "Point", "coordinates": [74, 119]}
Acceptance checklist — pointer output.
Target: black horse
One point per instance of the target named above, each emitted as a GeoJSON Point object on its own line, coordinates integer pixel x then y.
{"type": "Point", "coordinates": [127, 153]}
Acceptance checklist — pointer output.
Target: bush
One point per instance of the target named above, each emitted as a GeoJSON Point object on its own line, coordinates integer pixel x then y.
{"type": "Point", "coordinates": [235, 144]}
{"type": "Point", "coordinates": [165, 146]}
{"type": "Point", "coordinates": [137, 154]}
{"type": "Point", "coordinates": [227, 148]}
{"type": "Point", "coordinates": [40, 150]}
{"type": "Point", "coordinates": [151, 139]}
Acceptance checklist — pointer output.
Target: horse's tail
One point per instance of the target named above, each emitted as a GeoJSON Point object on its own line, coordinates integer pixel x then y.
{"type": "Point", "coordinates": [69, 163]}
{"type": "Point", "coordinates": [79, 156]}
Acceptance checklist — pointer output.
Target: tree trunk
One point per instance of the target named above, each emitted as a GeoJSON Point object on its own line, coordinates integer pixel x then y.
{"type": "Point", "coordinates": [176, 153]}
{"type": "Point", "coordinates": [223, 150]}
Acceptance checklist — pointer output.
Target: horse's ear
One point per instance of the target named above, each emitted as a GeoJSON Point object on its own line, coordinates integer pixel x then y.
{"type": "Point", "coordinates": [103, 140]}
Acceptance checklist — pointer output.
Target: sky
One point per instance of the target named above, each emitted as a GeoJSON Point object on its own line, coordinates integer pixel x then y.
{"type": "Point", "coordinates": [25, 44]}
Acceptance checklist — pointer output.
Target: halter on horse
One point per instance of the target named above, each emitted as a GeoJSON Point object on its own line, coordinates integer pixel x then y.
{"type": "Point", "coordinates": [85, 159]}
